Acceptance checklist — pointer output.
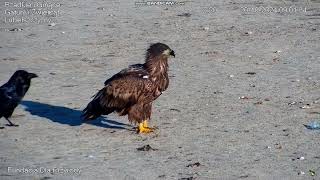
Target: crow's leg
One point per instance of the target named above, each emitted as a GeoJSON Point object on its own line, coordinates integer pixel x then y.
{"type": "Point", "coordinates": [10, 123]}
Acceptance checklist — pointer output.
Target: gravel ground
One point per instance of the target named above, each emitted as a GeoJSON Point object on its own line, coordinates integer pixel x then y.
{"type": "Point", "coordinates": [244, 82]}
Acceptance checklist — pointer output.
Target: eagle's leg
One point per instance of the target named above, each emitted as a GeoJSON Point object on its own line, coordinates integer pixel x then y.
{"type": "Point", "coordinates": [10, 123]}
{"type": "Point", "coordinates": [143, 127]}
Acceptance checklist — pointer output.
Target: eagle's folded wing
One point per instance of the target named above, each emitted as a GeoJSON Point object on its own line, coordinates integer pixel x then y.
{"type": "Point", "coordinates": [120, 92]}
{"type": "Point", "coordinates": [136, 70]}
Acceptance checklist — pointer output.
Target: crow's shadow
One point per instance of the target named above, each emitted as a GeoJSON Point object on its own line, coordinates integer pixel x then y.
{"type": "Point", "coordinates": [64, 115]}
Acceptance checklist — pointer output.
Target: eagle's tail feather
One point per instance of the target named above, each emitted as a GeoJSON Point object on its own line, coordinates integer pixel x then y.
{"type": "Point", "coordinates": [94, 109]}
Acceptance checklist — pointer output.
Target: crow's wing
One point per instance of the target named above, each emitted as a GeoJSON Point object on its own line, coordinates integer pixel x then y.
{"type": "Point", "coordinates": [8, 98]}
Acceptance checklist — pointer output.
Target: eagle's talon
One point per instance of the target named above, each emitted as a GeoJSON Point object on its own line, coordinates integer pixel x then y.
{"type": "Point", "coordinates": [143, 128]}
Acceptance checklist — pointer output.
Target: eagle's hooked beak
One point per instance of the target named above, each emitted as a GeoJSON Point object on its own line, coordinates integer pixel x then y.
{"type": "Point", "coordinates": [172, 53]}
{"type": "Point", "coordinates": [32, 75]}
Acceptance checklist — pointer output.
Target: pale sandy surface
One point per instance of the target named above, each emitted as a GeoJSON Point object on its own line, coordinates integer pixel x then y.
{"type": "Point", "coordinates": [200, 117]}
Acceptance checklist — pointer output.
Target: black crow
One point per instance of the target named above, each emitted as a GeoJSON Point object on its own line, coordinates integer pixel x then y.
{"type": "Point", "coordinates": [12, 92]}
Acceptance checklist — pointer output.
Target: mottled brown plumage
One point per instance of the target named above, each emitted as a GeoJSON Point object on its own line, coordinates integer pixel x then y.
{"type": "Point", "coordinates": [132, 90]}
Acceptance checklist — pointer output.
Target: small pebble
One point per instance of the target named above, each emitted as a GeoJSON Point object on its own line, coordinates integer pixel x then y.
{"type": "Point", "coordinates": [305, 107]}
{"type": "Point", "coordinates": [16, 29]}
{"type": "Point", "coordinates": [206, 28]}
{"type": "Point", "coordinates": [244, 97]}
{"type": "Point", "coordinates": [292, 103]}
{"type": "Point", "coordinates": [52, 24]}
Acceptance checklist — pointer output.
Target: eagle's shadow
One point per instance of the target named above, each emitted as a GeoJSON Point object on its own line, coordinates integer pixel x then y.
{"type": "Point", "coordinates": [64, 115]}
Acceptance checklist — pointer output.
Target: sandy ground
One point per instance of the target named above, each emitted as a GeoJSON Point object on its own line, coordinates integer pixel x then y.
{"type": "Point", "coordinates": [242, 85]}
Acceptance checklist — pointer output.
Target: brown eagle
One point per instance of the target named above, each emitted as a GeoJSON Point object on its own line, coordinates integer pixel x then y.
{"type": "Point", "coordinates": [132, 90]}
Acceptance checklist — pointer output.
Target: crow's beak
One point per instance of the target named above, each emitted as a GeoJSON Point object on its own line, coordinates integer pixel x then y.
{"type": "Point", "coordinates": [32, 75]}
{"type": "Point", "coordinates": [172, 53]}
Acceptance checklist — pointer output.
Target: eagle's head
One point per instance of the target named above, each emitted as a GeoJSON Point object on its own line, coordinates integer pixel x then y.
{"type": "Point", "coordinates": [159, 49]}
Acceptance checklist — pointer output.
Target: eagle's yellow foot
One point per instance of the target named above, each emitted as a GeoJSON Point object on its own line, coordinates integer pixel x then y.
{"type": "Point", "coordinates": [143, 127]}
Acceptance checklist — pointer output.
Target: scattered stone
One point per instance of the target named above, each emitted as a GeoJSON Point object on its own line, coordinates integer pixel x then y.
{"type": "Point", "coordinates": [52, 24]}
{"type": "Point", "coordinates": [251, 73]}
{"type": "Point", "coordinates": [314, 112]}
{"type": "Point", "coordinates": [249, 33]}
{"type": "Point", "coordinates": [312, 173]}
{"type": "Point", "coordinates": [276, 59]}
{"type": "Point", "coordinates": [90, 156]}
{"type": "Point", "coordinates": [89, 60]}
{"type": "Point", "coordinates": [100, 8]}
{"type": "Point", "coordinates": [185, 14]}
{"type": "Point", "coordinates": [231, 75]}
{"type": "Point", "coordinates": [173, 109]}
{"type": "Point", "coordinates": [244, 176]}
{"type": "Point", "coordinates": [257, 103]}
{"type": "Point", "coordinates": [32, 35]}
{"type": "Point", "coordinates": [187, 178]}
{"type": "Point", "coordinates": [9, 59]}
{"type": "Point", "coordinates": [16, 29]}
{"type": "Point", "coordinates": [197, 164]}
{"type": "Point", "coordinates": [146, 148]}
{"type": "Point", "coordinates": [245, 97]}
{"type": "Point", "coordinates": [72, 85]}
{"type": "Point", "coordinates": [292, 103]}
{"type": "Point", "coordinates": [306, 107]}
{"type": "Point", "coordinates": [278, 146]}
{"type": "Point", "coordinates": [45, 178]}
{"type": "Point", "coordinates": [301, 173]}
{"type": "Point", "coordinates": [206, 28]}
{"type": "Point", "coordinates": [279, 51]}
